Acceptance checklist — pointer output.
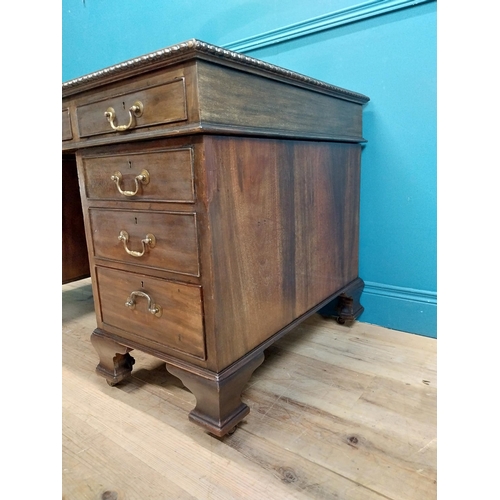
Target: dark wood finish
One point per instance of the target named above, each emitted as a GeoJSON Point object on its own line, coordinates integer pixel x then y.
{"type": "Point", "coordinates": [251, 98]}
{"type": "Point", "coordinates": [346, 307]}
{"type": "Point", "coordinates": [115, 362]}
{"type": "Point", "coordinates": [170, 175]}
{"type": "Point", "coordinates": [218, 396]}
{"type": "Point", "coordinates": [91, 119]}
{"type": "Point", "coordinates": [175, 245]}
{"type": "Point", "coordinates": [75, 260]}
{"type": "Point", "coordinates": [228, 103]}
{"type": "Point", "coordinates": [253, 199]}
{"type": "Point", "coordinates": [180, 326]}
{"type": "Point", "coordinates": [293, 209]}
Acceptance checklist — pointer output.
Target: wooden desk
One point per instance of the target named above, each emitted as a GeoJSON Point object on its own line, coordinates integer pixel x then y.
{"type": "Point", "coordinates": [221, 203]}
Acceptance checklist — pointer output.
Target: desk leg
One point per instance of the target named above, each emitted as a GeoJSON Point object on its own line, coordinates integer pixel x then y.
{"type": "Point", "coordinates": [115, 361]}
{"type": "Point", "coordinates": [346, 307]}
{"type": "Point", "coordinates": [218, 395]}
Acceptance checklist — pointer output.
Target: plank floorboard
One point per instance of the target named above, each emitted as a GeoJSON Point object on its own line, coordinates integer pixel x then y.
{"type": "Point", "coordinates": [337, 412]}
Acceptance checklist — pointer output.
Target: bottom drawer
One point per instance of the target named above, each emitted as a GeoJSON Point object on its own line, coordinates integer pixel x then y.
{"type": "Point", "coordinates": [167, 313]}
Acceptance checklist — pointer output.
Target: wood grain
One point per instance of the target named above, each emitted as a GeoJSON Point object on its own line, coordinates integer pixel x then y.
{"type": "Point", "coordinates": [180, 326]}
{"type": "Point", "coordinates": [170, 174]}
{"type": "Point", "coordinates": [293, 209]}
{"type": "Point", "coordinates": [163, 104]}
{"type": "Point", "coordinates": [278, 218]}
{"type": "Point", "coordinates": [175, 244]}
{"type": "Point", "coordinates": [230, 98]}
{"type": "Point", "coordinates": [209, 90]}
{"type": "Point", "coordinates": [350, 415]}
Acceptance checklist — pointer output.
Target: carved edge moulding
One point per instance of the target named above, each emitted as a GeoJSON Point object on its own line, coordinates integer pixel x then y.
{"type": "Point", "coordinates": [190, 48]}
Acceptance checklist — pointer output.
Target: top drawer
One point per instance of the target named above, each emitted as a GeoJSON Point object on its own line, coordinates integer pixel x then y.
{"type": "Point", "coordinates": [144, 107]}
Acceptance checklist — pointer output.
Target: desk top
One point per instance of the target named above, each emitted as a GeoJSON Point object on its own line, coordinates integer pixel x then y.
{"type": "Point", "coordinates": [194, 87]}
{"type": "Point", "coordinates": [196, 49]}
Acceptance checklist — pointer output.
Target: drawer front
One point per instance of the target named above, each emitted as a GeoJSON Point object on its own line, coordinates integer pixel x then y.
{"type": "Point", "coordinates": [169, 176]}
{"type": "Point", "coordinates": [67, 134]}
{"type": "Point", "coordinates": [161, 104]}
{"type": "Point", "coordinates": [179, 323]}
{"type": "Point", "coordinates": [162, 240]}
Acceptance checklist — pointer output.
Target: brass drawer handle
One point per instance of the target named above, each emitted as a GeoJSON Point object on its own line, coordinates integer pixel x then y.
{"type": "Point", "coordinates": [152, 307]}
{"type": "Point", "coordinates": [148, 241]}
{"type": "Point", "coordinates": [142, 178]}
{"type": "Point", "coordinates": [134, 112]}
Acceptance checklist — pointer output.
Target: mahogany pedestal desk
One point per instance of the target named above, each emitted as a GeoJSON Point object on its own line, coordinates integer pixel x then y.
{"type": "Point", "coordinates": [220, 198]}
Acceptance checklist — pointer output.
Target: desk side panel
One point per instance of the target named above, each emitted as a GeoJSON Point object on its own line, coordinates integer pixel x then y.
{"type": "Point", "coordinates": [284, 219]}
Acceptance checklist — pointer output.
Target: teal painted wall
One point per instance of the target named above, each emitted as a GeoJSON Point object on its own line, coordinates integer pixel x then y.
{"type": "Point", "coordinates": [377, 48]}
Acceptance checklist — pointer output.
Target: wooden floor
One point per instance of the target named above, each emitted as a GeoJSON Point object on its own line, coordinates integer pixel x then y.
{"type": "Point", "coordinates": [336, 412]}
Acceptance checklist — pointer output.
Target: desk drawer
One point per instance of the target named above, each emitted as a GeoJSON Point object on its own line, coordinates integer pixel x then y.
{"type": "Point", "coordinates": [127, 298]}
{"type": "Point", "coordinates": [118, 177]}
{"type": "Point", "coordinates": [160, 104]}
{"type": "Point", "coordinates": [162, 240]}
